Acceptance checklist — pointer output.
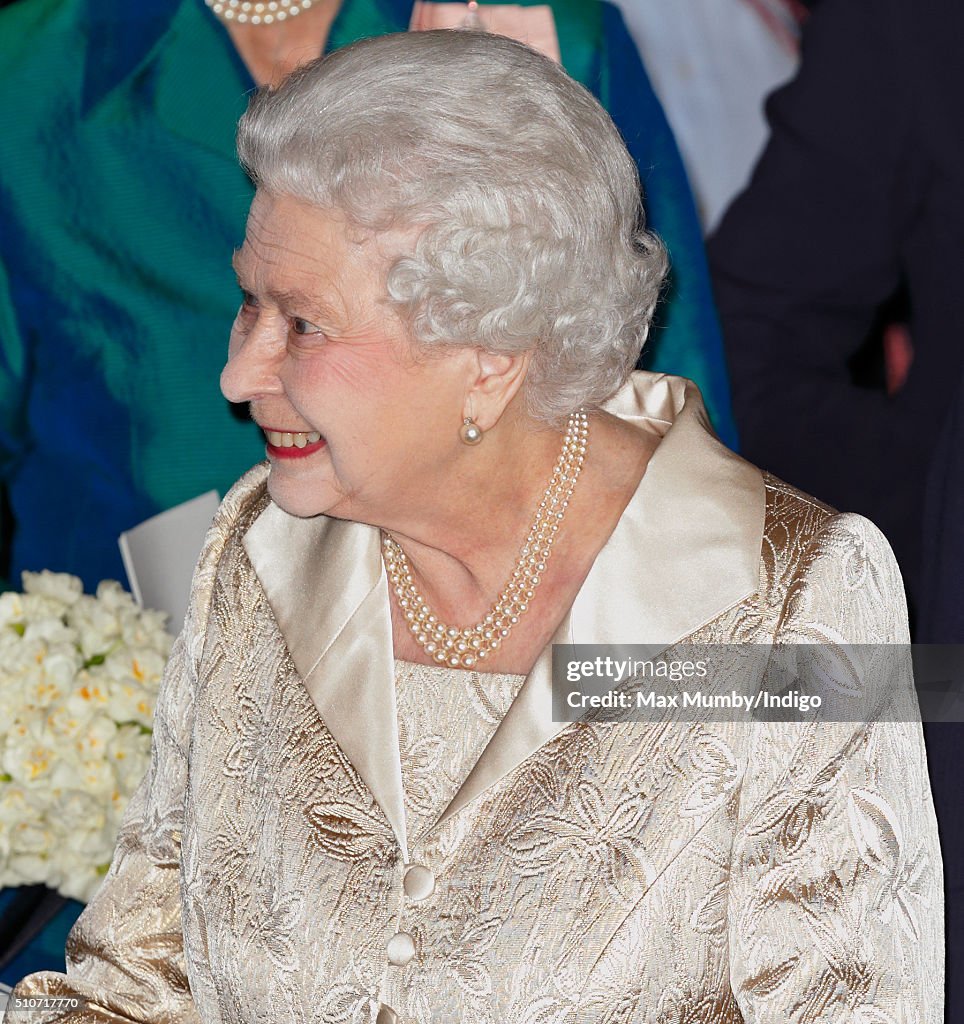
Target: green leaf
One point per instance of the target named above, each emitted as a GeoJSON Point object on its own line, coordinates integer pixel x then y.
{"type": "Point", "coordinates": [99, 659]}
{"type": "Point", "coordinates": [6, 777]}
{"type": "Point", "coordinates": [18, 627]}
{"type": "Point", "coordinates": [102, 869]}
{"type": "Point", "coordinates": [145, 730]}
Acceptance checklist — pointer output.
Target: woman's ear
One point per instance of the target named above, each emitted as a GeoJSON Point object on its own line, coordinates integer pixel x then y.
{"type": "Point", "coordinates": [497, 379]}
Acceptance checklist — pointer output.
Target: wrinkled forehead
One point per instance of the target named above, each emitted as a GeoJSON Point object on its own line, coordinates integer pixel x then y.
{"type": "Point", "coordinates": [287, 235]}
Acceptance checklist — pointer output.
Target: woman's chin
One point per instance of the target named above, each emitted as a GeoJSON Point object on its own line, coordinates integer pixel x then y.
{"type": "Point", "coordinates": [303, 498]}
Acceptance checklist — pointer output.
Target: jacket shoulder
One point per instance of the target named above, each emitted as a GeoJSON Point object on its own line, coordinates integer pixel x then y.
{"type": "Point", "coordinates": [789, 508]}
{"type": "Point", "coordinates": [792, 521]}
{"type": "Point", "coordinates": [837, 566]}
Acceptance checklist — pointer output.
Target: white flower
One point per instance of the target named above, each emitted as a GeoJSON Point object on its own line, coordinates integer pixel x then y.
{"type": "Point", "coordinates": [56, 585]}
{"type": "Point", "coordinates": [52, 631]}
{"type": "Point", "coordinates": [11, 609]}
{"type": "Point", "coordinates": [14, 807]}
{"type": "Point", "coordinates": [98, 628]}
{"type": "Point", "coordinates": [42, 606]}
{"type": "Point", "coordinates": [12, 700]}
{"type": "Point", "coordinates": [88, 697]}
{"type": "Point", "coordinates": [27, 869]}
{"type": "Point", "coordinates": [67, 720]}
{"type": "Point", "coordinates": [80, 882]}
{"type": "Point", "coordinates": [28, 754]}
{"type": "Point", "coordinates": [31, 837]}
{"type": "Point", "coordinates": [148, 632]}
{"type": "Point", "coordinates": [129, 751]}
{"type": "Point", "coordinates": [131, 702]}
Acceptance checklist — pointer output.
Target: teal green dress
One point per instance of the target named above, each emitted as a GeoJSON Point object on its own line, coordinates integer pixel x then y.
{"type": "Point", "coordinates": [120, 202]}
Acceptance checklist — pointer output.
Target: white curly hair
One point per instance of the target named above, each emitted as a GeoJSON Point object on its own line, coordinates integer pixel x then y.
{"type": "Point", "coordinates": [527, 204]}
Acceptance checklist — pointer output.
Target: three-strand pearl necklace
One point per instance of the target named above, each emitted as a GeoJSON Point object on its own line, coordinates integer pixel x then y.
{"type": "Point", "coordinates": [257, 12]}
{"type": "Point", "coordinates": [465, 647]}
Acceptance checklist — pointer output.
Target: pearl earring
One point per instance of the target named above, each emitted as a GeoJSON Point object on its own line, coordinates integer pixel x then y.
{"type": "Point", "coordinates": [470, 432]}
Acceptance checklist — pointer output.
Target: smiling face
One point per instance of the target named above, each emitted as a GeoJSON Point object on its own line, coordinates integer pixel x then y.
{"type": "Point", "coordinates": [359, 424]}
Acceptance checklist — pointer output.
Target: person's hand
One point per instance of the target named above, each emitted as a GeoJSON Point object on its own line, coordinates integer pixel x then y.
{"type": "Point", "coordinates": [898, 356]}
{"type": "Point", "coordinates": [533, 26]}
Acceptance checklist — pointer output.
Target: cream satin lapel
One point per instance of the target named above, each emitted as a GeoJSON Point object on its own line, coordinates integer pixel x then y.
{"type": "Point", "coordinates": [686, 548]}
{"type": "Point", "coordinates": [353, 687]}
{"type": "Point", "coordinates": [688, 544]}
{"type": "Point", "coordinates": [326, 585]}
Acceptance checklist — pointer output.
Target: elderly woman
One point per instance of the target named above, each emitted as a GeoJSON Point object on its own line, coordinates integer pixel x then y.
{"type": "Point", "coordinates": [359, 807]}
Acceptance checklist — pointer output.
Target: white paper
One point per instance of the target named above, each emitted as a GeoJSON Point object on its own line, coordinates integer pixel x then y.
{"type": "Point", "coordinates": [160, 554]}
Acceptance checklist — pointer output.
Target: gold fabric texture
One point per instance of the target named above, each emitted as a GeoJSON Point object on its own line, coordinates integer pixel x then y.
{"type": "Point", "coordinates": [445, 719]}
{"type": "Point", "coordinates": [591, 873]}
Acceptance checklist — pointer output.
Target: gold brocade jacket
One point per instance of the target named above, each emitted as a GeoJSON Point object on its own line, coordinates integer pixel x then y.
{"type": "Point", "coordinates": [590, 873]}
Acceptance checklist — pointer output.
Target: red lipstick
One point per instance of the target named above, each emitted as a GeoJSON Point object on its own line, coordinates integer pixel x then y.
{"type": "Point", "coordinates": [292, 451]}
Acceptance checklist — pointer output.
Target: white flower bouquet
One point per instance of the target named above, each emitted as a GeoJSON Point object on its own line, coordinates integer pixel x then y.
{"type": "Point", "coordinates": [78, 683]}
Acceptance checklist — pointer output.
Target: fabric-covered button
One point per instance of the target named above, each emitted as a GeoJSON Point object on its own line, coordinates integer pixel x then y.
{"type": "Point", "coordinates": [419, 882]}
{"type": "Point", "coordinates": [401, 949]}
{"type": "Point", "coordinates": [386, 1015]}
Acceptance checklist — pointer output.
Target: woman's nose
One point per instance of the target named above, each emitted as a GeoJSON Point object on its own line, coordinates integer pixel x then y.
{"type": "Point", "coordinates": [251, 371]}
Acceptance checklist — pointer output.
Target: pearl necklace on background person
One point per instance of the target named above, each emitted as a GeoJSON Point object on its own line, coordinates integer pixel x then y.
{"type": "Point", "coordinates": [257, 12]}
{"type": "Point", "coordinates": [464, 647]}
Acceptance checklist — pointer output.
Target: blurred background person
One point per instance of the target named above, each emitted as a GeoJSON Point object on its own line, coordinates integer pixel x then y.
{"type": "Point", "coordinates": [120, 200]}
{"type": "Point", "coordinates": [712, 64]}
{"type": "Point", "coordinates": [855, 217]}
{"type": "Point", "coordinates": [856, 199]}
{"type": "Point", "coordinates": [112, 272]}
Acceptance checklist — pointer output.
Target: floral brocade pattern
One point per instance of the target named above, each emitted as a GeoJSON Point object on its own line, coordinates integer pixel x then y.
{"type": "Point", "coordinates": [436, 756]}
{"type": "Point", "coordinates": [624, 873]}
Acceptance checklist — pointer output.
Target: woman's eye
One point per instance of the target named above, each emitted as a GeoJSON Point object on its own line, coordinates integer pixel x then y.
{"type": "Point", "coordinates": [300, 326]}
{"type": "Point", "coordinates": [248, 301]}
